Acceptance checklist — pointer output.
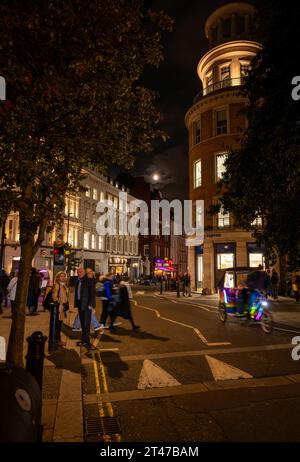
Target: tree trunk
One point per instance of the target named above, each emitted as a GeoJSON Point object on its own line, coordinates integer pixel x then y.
{"type": "Point", "coordinates": [16, 337]}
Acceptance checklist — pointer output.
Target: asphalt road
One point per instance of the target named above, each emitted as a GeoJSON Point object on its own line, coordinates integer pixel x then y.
{"type": "Point", "coordinates": [185, 376]}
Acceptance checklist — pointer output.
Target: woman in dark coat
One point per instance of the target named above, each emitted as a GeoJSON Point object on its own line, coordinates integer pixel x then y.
{"type": "Point", "coordinates": [123, 308]}
{"type": "Point", "coordinates": [33, 291]}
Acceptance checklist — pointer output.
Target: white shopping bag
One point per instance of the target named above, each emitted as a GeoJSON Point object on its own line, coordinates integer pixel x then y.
{"type": "Point", "coordinates": [2, 349]}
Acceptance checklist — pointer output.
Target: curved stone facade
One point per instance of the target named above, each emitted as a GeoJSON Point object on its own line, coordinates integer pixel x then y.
{"type": "Point", "coordinates": [216, 123]}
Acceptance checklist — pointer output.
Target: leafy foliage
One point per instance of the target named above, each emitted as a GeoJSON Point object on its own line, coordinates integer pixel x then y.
{"type": "Point", "coordinates": [72, 70]}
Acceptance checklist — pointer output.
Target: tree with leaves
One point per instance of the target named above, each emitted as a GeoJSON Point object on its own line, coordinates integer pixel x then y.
{"type": "Point", "coordinates": [262, 178]}
{"type": "Point", "coordinates": [72, 70]}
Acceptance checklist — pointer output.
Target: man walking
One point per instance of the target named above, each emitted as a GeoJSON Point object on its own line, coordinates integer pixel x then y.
{"type": "Point", "coordinates": [85, 301]}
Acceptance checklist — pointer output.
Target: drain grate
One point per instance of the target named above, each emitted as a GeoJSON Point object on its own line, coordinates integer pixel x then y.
{"type": "Point", "coordinates": [101, 426]}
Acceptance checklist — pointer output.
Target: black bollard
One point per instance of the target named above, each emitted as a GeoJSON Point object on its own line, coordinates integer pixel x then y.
{"type": "Point", "coordinates": [35, 356]}
{"type": "Point", "coordinates": [178, 289]}
{"type": "Point", "coordinates": [53, 330]}
{"type": "Point", "coordinates": [161, 287]}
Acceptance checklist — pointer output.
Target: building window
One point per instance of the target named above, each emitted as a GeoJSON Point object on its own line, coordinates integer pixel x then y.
{"type": "Point", "coordinates": [197, 132]}
{"type": "Point", "coordinates": [197, 174]}
{"type": "Point", "coordinates": [256, 259]}
{"type": "Point", "coordinates": [115, 202]}
{"type": "Point", "coordinates": [93, 243]}
{"type": "Point", "coordinates": [245, 70]}
{"type": "Point", "coordinates": [88, 191]}
{"type": "Point", "coordinates": [223, 219]}
{"type": "Point", "coordinates": [95, 194]}
{"type": "Point", "coordinates": [10, 230]}
{"type": "Point", "coordinates": [102, 196]}
{"type": "Point", "coordinates": [87, 215]}
{"type": "Point", "coordinates": [146, 251]}
{"type": "Point", "coordinates": [258, 222]}
{"type": "Point", "coordinates": [101, 243]}
{"type": "Point", "coordinates": [221, 121]}
{"type": "Point", "coordinates": [225, 72]}
{"type": "Point", "coordinates": [209, 80]}
{"type": "Point", "coordinates": [220, 165]}
{"type": "Point", "coordinates": [225, 260]}
{"type": "Point", "coordinates": [86, 240]}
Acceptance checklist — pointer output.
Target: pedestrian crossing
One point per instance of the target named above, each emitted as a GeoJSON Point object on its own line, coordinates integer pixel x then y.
{"type": "Point", "coordinates": [175, 371]}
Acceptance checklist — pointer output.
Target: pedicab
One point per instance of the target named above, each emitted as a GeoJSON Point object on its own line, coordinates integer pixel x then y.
{"type": "Point", "coordinates": [238, 300]}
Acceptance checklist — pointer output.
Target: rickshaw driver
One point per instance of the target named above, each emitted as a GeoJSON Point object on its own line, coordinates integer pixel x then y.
{"type": "Point", "coordinates": [242, 298]}
{"type": "Point", "coordinates": [257, 281]}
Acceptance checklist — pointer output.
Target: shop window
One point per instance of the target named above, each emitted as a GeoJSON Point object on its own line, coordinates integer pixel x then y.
{"type": "Point", "coordinates": [225, 260]}
{"type": "Point", "coordinates": [256, 259]}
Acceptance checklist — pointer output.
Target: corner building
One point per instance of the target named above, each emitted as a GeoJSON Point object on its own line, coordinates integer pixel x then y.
{"type": "Point", "coordinates": [216, 123]}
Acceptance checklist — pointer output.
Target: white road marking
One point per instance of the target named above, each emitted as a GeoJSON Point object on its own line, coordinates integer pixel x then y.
{"type": "Point", "coordinates": [140, 292]}
{"type": "Point", "coordinates": [197, 331]}
{"type": "Point", "coordinates": [153, 376]}
{"type": "Point", "coordinates": [287, 330]}
{"type": "Point", "coordinates": [220, 351]}
{"type": "Point", "coordinates": [2, 349]}
{"type": "Point", "coordinates": [223, 371]}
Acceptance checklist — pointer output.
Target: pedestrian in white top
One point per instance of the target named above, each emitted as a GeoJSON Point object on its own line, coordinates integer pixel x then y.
{"type": "Point", "coordinates": [11, 292]}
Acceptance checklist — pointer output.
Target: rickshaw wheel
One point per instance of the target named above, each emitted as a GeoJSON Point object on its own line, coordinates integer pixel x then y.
{"type": "Point", "coordinates": [266, 322]}
{"type": "Point", "coordinates": [222, 312]}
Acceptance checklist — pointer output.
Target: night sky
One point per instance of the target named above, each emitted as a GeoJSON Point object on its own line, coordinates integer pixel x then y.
{"type": "Point", "coordinates": [177, 83]}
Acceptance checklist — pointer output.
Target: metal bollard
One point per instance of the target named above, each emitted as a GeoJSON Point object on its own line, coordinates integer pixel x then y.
{"type": "Point", "coordinates": [178, 289]}
{"type": "Point", "coordinates": [35, 356]}
{"type": "Point", "coordinates": [53, 330]}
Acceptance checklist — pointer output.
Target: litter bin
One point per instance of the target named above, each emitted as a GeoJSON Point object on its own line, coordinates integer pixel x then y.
{"type": "Point", "coordinates": [20, 405]}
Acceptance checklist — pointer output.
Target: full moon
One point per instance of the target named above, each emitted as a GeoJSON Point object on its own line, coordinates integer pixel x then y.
{"type": "Point", "coordinates": [155, 177]}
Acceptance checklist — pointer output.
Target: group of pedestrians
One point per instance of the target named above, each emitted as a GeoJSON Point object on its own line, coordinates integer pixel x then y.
{"type": "Point", "coordinates": [115, 296]}
{"type": "Point", "coordinates": [185, 283]}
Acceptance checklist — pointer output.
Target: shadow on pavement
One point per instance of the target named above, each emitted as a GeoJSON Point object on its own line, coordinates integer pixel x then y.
{"type": "Point", "coordinates": [114, 364]}
{"type": "Point", "coordinates": [139, 334]}
{"type": "Point", "coordinates": [65, 359]}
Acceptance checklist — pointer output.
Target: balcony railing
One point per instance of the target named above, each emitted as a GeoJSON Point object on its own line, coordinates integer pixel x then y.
{"type": "Point", "coordinates": [221, 84]}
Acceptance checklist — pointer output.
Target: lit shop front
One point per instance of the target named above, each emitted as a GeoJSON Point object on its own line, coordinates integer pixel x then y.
{"type": "Point", "coordinates": [164, 267]}
{"type": "Point", "coordinates": [117, 265]}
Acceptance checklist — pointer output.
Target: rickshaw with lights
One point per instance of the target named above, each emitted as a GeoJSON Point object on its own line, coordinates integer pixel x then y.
{"type": "Point", "coordinates": [238, 300]}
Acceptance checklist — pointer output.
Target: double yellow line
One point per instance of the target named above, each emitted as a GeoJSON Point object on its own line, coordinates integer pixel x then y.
{"type": "Point", "coordinates": [103, 408]}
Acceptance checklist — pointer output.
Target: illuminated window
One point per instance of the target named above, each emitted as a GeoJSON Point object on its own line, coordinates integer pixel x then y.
{"type": "Point", "coordinates": [257, 222]}
{"type": "Point", "coordinates": [223, 219]}
{"type": "Point", "coordinates": [102, 196]}
{"type": "Point", "coordinates": [221, 121]}
{"type": "Point", "coordinates": [95, 194]}
{"type": "Point", "coordinates": [256, 259]}
{"type": "Point", "coordinates": [86, 240]}
{"type": "Point", "coordinates": [225, 260]}
{"type": "Point", "coordinates": [197, 174]}
{"type": "Point", "coordinates": [220, 165]}
{"type": "Point", "coordinates": [88, 191]}
{"type": "Point", "coordinates": [101, 243]}
{"type": "Point", "coordinates": [115, 202]}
